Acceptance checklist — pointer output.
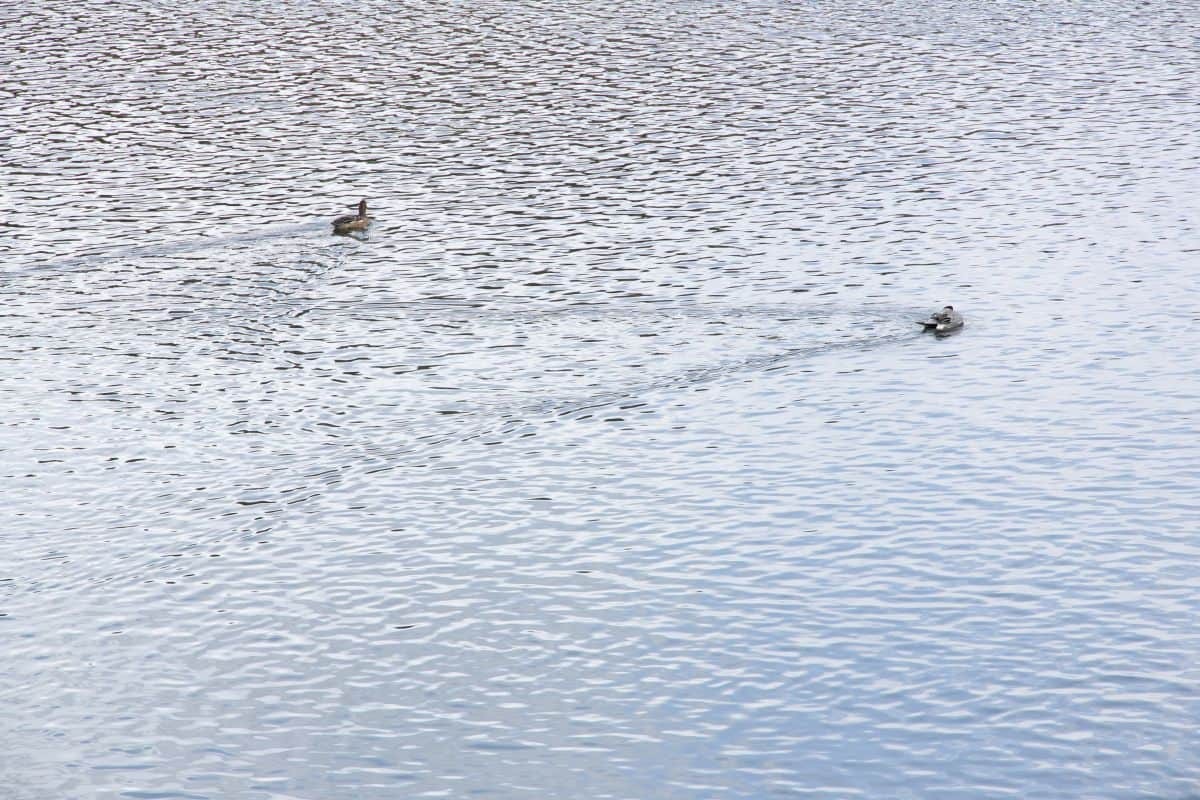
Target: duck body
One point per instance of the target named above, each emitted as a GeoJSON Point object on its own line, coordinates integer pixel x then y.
{"type": "Point", "coordinates": [353, 222]}
{"type": "Point", "coordinates": [943, 321]}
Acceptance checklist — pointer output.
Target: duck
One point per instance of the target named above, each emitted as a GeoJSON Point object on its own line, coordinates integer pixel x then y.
{"type": "Point", "coordinates": [353, 222]}
{"type": "Point", "coordinates": [943, 321]}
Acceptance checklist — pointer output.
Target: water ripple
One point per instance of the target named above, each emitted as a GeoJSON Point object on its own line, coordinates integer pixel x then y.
{"type": "Point", "coordinates": [610, 461]}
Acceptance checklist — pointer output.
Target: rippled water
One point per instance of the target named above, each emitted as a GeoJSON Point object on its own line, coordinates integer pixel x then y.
{"type": "Point", "coordinates": [610, 464]}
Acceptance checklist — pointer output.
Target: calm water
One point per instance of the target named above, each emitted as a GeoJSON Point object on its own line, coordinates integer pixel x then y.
{"type": "Point", "coordinates": [611, 463]}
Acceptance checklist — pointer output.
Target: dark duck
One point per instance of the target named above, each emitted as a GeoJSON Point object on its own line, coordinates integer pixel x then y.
{"type": "Point", "coordinates": [943, 321]}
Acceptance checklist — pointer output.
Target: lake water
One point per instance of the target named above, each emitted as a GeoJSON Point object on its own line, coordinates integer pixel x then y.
{"type": "Point", "coordinates": [611, 463]}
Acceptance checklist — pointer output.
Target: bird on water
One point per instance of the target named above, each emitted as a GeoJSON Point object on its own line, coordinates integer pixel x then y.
{"type": "Point", "coordinates": [353, 222]}
{"type": "Point", "coordinates": [943, 321]}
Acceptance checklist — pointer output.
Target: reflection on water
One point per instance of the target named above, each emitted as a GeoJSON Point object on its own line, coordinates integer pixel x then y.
{"type": "Point", "coordinates": [611, 462]}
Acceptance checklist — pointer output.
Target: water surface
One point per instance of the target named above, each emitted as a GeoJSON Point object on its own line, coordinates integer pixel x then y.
{"type": "Point", "coordinates": [611, 463]}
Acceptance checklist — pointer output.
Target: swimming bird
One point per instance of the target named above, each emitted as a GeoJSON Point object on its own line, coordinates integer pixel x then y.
{"type": "Point", "coordinates": [943, 321]}
{"type": "Point", "coordinates": [353, 222]}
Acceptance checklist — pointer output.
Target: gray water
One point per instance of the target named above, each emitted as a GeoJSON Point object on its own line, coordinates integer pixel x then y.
{"type": "Point", "coordinates": [610, 463]}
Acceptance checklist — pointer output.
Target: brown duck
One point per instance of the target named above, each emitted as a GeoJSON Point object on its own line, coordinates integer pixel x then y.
{"type": "Point", "coordinates": [353, 222]}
